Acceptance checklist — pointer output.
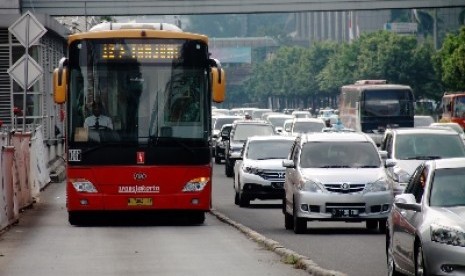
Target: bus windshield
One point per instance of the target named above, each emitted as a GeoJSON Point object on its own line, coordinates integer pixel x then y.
{"type": "Point", "coordinates": [142, 90]}
{"type": "Point", "coordinates": [385, 103]}
{"type": "Point", "coordinates": [459, 107]}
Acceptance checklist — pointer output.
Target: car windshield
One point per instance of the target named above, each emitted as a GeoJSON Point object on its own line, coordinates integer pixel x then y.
{"type": "Point", "coordinates": [220, 121]}
{"type": "Point", "coordinates": [278, 121]}
{"type": "Point", "coordinates": [448, 188]}
{"type": "Point", "coordinates": [244, 131]}
{"type": "Point", "coordinates": [339, 155]}
{"type": "Point", "coordinates": [420, 121]}
{"type": "Point", "coordinates": [305, 127]}
{"type": "Point", "coordinates": [456, 127]}
{"type": "Point", "coordinates": [260, 150]}
{"type": "Point", "coordinates": [426, 145]}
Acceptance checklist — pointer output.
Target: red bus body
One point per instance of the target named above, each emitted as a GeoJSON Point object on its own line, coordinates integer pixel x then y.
{"type": "Point", "coordinates": [117, 186]}
{"type": "Point", "coordinates": [453, 108]}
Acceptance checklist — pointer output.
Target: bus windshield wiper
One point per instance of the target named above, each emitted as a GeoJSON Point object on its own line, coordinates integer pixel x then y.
{"type": "Point", "coordinates": [107, 144]}
{"type": "Point", "coordinates": [155, 140]}
{"type": "Point", "coordinates": [334, 166]}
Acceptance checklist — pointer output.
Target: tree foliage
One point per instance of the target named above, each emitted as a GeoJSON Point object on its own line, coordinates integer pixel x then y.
{"type": "Point", "coordinates": [321, 69]}
{"type": "Point", "coordinates": [450, 61]}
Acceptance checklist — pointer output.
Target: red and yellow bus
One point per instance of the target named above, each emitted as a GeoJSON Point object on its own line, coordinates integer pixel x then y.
{"type": "Point", "coordinates": [453, 108]}
{"type": "Point", "coordinates": [148, 146]}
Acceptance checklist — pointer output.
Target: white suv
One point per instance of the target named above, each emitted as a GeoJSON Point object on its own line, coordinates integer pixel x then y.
{"type": "Point", "coordinates": [259, 173]}
{"type": "Point", "coordinates": [335, 176]}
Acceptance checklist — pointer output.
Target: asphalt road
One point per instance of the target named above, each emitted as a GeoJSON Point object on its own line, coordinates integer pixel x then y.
{"type": "Point", "coordinates": [43, 243]}
{"type": "Point", "coordinates": [345, 247]}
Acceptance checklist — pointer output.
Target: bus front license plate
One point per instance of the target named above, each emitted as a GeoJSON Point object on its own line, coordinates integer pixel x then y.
{"type": "Point", "coordinates": [144, 201]}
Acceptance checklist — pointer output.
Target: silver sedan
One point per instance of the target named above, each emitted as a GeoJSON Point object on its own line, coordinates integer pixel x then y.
{"type": "Point", "coordinates": [427, 223]}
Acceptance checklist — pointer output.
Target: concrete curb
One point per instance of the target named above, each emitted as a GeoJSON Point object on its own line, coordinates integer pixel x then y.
{"type": "Point", "coordinates": [57, 170]}
{"type": "Point", "coordinates": [287, 256]}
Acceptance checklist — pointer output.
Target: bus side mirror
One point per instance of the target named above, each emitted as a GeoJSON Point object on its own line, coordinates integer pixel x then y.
{"type": "Point", "coordinates": [60, 82]}
{"type": "Point", "coordinates": [218, 85]}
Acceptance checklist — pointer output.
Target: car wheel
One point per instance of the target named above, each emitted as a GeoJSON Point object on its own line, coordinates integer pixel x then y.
{"type": "Point", "coordinates": [391, 265]}
{"type": "Point", "coordinates": [419, 261]}
{"type": "Point", "coordinates": [229, 170]}
{"type": "Point", "coordinates": [236, 198]}
{"type": "Point", "coordinates": [372, 224]}
{"type": "Point", "coordinates": [217, 159]}
{"type": "Point", "coordinates": [299, 224]}
{"type": "Point", "coordinates": [284, 205]}
{"type": "Point", "coordinates": [288, 221]}
{"type": "Point", "coordinates": [244, 201]}
{"type": "Point", "coordinates": [382, 226]}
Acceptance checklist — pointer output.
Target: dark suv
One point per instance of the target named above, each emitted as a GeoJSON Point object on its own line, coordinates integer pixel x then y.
{"type": "Point", "coordinates": [240, 131]}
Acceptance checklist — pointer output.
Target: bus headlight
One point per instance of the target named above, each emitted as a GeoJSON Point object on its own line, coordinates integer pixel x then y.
{"type": "Point", "coordinates": [83, 186]}
{"type": "Point", "coordinates": [196, 184]}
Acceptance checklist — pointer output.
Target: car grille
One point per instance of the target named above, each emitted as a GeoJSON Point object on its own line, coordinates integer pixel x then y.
{"type": "Point", "coordinates": [345, 188]}
{"type": "Point", "coordinates": [273, 176]}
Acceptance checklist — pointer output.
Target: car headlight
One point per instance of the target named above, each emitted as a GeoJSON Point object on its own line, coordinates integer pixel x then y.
{"type": "Point", "coordinates": [83, 186]}
{"type": "Point", "coordinates": [400, 175]}
{"type": "Point", "coordinates": [451, 235]}
{"type": "Point", "coordinates": [309, 185]}
{"type": "Point", "coordinates": [196, 184]}
{"type": "Point", "coordinates": [235, 152]}
{"type": "Point", "coordinates": [253, 170]}
{"type": "Point", "coordinates": [379, 185]}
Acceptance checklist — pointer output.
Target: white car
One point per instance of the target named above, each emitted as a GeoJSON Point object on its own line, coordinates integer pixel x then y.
{"type": "Point", "coordinates": [259, 174]}
{"type": "Point", "coordinates": [335, 176]}
{"type": "Point", "coordinates": [305, 125]}
{"type": "Point", "coordinates": [277, 120]}
{"type": "Point", "coordinates": [407, 148]}
{"type": "Point", "coordinates": [456, 127]}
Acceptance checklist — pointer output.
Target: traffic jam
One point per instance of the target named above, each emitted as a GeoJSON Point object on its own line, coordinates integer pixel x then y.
{"type": "Point", "coordinates": [404, 176]}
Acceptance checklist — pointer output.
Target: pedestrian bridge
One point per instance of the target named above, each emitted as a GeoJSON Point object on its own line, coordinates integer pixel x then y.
{"type": "Point", "coordinates": [178, 7]}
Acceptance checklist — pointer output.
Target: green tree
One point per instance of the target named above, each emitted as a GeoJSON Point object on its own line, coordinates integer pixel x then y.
{"type": "Point", "coordinates": [340, 68]}
{"type": "Point", "coordinates": [450, 61]}
{"type": "Point", "coordinates": [383, 55]}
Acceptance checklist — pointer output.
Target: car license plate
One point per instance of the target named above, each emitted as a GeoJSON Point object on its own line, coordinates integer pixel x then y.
{"type": "Point", "coordinates": [142, 201]}
{"type": "Point", "coordinates": [345, 213]}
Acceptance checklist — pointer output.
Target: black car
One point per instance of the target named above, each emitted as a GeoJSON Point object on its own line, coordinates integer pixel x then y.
{"type": "Point", "coordinates": [220, 142]}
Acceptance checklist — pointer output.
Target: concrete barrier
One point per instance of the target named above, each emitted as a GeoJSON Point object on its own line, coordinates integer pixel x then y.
{"type": "Point", "coordinates": [24, 171]}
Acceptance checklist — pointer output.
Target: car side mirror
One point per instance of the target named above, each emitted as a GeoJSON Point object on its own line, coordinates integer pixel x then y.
{"type": "Point", "coordinates": [407, 201]}
{"type": "Point", "coordinates": [288, 163]}
{"type": "Point", "coordinates": [225, 136]}
{"type": "Point", "coordinates": [383, 154]}
{"type": "Point", "coordinates": [389, 163]}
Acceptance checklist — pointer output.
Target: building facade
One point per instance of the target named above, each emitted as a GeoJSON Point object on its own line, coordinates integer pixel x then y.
{"type": "Point", "coordinates": [40, 107]}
